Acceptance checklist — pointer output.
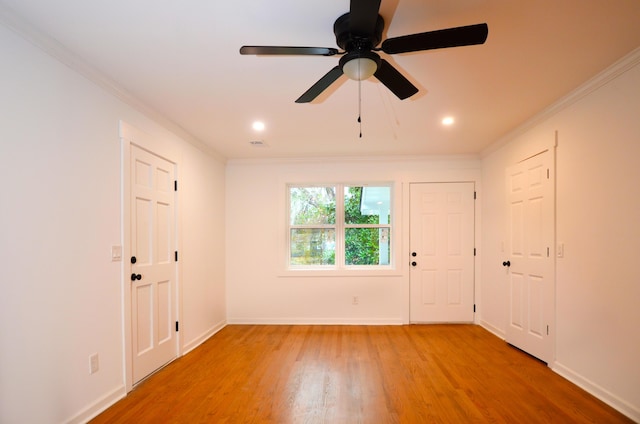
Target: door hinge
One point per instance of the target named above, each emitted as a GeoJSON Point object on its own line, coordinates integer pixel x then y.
{"type": "Point", "coordinates": [175, 185]}
{"type": "Point", "coordinates": [474, 195]}
{"type": "Point", "coordinates": [547, 252]}
{"type": "Point", "coordinates": [547, 330]}
{"type": "Point", "coordinates": [474, 251]}
{"type": "Point", "coordinates": [177, 326]}
{"type": "Point", "coordinates": [474, 308]}
{"type": "Point", "coordinates": [547, 173]}
{"type": "Point", "coordinates": [176, 254]}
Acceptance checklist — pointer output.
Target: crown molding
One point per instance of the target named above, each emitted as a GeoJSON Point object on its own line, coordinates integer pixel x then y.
{"type": "Point", "coordinates": [471, 158]}
{"type": "Point", "coordinates": [612, 72]}
{"type": "Point", "coordinates": [58, 51]}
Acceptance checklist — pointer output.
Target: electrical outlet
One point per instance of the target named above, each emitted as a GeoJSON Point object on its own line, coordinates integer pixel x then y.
{"type": "Point", "coordinates": [355, 300]}
{"type": "Point", "coordinates": [94, 363]}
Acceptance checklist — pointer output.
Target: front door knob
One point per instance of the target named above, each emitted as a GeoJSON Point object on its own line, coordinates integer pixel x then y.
{"type": "Point", "coordinates": [506, 263]}
{"type": "Point", "coordinates": [135, 277]}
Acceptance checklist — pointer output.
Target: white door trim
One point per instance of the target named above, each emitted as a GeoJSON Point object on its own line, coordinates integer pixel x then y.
{"type": "Point", "coordinates": [130, 135]}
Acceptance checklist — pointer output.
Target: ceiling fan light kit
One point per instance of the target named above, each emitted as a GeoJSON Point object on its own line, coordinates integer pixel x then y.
{"type": "Point", "coordinates": [358, 33]}
{"type": "Point", "coordinates": [359, 66]}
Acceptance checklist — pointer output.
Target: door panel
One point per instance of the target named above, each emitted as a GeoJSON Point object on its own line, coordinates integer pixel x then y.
{"type": "Point", "coordinates": [165, 329]}
{"type": "Point", "coordinates": [517, 299]}
{"type": "Point", "coordinates": [442, 238]}
{"type": "Point", "coordinates": [531, 230]}
{"type": "Point", "coordinates": [143, 301]}
{"type": "Point", "coordinates": [152, 243]}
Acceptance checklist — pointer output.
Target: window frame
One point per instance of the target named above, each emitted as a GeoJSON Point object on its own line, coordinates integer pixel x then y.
{"type": "Point", "coordinates": [340, 226]}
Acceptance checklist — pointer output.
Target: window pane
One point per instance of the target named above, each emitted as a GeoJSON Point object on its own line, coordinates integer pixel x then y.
{"type": "Point", "coordinates": [367, 246]}
{"type": "Point", "coordinates": [367, 205]}
{"type": "Point", "coordinates": [313, 246]}
{"type": "Point", "coordinates": [312, 205]}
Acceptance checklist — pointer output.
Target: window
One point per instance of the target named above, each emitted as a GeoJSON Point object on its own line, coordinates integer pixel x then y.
{"type": "Point", "coordinates": [339, 226]}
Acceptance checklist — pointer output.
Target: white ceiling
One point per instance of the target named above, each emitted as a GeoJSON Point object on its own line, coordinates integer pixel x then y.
{"type": "Point", "coordinates": [181, 59]}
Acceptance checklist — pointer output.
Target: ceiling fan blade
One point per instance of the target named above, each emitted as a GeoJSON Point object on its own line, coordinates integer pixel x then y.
{"type": "Point", "coordinates": [394, 80]}
{"type": "Point", "coordinates": [363, 16]}
{"type": "Point", "coordinates": [283, 50]}
{"type": "Point", "coordinates": [321, 85]}
{"type": "Point", "coordinates": [450, 37]}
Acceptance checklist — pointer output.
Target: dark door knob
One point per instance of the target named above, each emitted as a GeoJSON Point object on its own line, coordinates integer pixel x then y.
{"type": "Point", "coordinates": [414, 254]}
{"type": "Point", "coordinates": [134, 260]}
{"type": "Point", "coordinates": [135, 276]}
{"type": "Point", "coordinates": [414, 263]}
{"type": "Point", "coordinates": [506, 263]}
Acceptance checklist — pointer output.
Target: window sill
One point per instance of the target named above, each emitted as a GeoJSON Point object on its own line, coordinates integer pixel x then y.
{"type": "Point", "coordinates": [351, 272]}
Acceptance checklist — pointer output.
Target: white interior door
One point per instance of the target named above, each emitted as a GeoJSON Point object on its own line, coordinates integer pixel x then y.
{"type": "Point", "coordinates": [442, 252]}
{"type": "Point", "coordinates": [153, 311]}
{"type": "Point", "coordinates": [530, 265]}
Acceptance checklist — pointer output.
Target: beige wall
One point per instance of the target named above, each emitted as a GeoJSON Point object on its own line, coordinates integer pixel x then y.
{"type": "Point", "coordinates": [60, 215]}
{"type": "Point", "coordinates": [256, 218]}
{"type": "Point", "coordinates": [597, 221]}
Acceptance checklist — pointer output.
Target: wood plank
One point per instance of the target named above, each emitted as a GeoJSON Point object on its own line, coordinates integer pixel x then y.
{"type": "Point", "coordinates": [357, 374]}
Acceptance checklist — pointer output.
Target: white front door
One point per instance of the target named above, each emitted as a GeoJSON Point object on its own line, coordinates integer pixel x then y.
{"type": "Point", "coordinates": [153, 309]}
{"type": "Point", "coordinates": [442, 252]}
{"type": "Point", "coordinates": [530, 264]}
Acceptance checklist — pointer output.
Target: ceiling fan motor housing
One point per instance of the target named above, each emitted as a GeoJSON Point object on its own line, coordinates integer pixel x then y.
{"type": "Point", "coordinates": [349, 41]}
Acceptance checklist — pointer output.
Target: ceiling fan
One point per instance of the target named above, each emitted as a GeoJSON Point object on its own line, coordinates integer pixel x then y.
{"type": "Point", "coordinates": [358, 33]}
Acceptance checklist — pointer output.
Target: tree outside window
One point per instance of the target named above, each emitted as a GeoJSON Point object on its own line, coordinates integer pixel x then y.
{"type": "Point", "coordinates": [312, 219]}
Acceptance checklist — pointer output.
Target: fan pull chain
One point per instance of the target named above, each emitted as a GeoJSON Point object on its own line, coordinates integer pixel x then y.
{"type": "Point", "coordinates": [360, 106]}
{"type": "Point", "coordinates": [360, 101]}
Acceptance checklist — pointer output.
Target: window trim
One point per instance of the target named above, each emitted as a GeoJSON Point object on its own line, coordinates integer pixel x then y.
{"type": "Point", "coordinates": [340, 268]}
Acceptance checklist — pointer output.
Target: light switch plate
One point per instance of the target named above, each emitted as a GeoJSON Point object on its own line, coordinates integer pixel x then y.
{"type": "Point", "coordinates": [116, 253]}
{"type": "Point", "coordinates": [94, 363]}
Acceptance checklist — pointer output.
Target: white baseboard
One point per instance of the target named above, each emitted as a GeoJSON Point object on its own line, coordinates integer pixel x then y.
{"type": "Point", "coordinates": [203, 337]}
{"type": "Point", "coordinates": [604, 395]}
{"type": "Point", "coordinates": [119, 393]}
{"type": "Point", "coordinates": [99, 406]}
{"type": "Point", "coordinates": [318, 321]}
{"type": "Point", "coordinates": [496, 331]}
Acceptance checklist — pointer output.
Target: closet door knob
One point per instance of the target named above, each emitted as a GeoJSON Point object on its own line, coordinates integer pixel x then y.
{"type": "Point", "coordinates": [506, 263]}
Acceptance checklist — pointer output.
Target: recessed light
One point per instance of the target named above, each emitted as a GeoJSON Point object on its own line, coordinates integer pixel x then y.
{"type": "Point", "coordinates": [258, 126]}
{"type": "Point", "coordinates": [448, 120]}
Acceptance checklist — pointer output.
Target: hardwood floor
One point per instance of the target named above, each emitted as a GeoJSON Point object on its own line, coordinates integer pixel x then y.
{"type": "Point", "coordinates": [357, 374]}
